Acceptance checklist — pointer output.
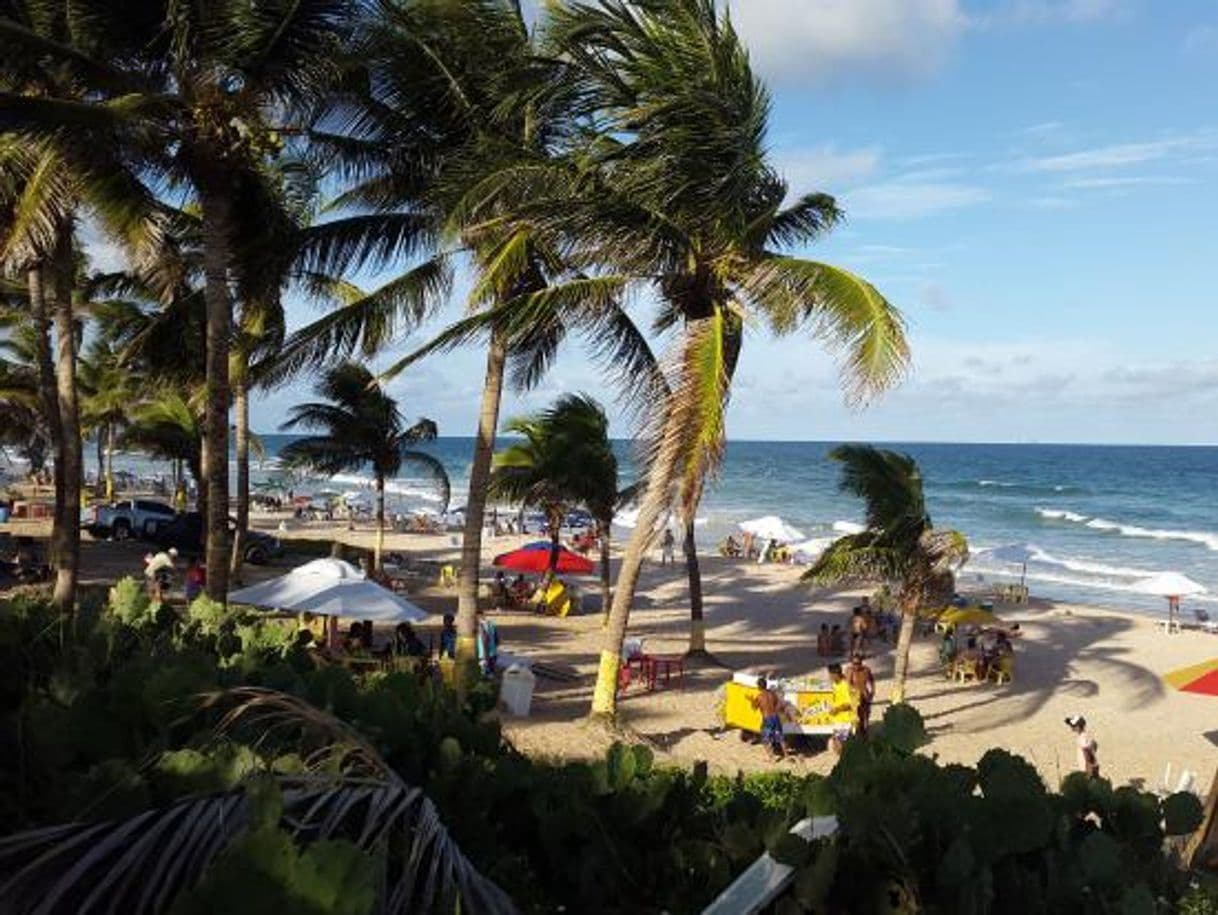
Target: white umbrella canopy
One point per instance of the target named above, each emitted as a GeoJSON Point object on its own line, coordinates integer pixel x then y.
{"type": "Point", "coordinates": [1019, 554]}
{"type": "Point", "coordinates": [771, 527]}
{"type": "Point", "coordinates": [1169, 584]}
{"type": "Point", "coordinates": [330, 587]}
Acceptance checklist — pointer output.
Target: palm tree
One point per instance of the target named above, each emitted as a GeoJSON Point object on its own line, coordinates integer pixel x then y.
{"type": "Point", "coordinates": [679, 194]}
{"type": "Point", "coordinates": [458, 100]}
{"type": "Point", "coordinates": [361, 425]}
{"type": "Point", "coordinates": [563, 461]}
{"type": "Point", "coordinates": [899, 543]}
{"type": "Point", "coordinates": [199, 96]}
{"type": "Point", "coordinates": [169, 426]}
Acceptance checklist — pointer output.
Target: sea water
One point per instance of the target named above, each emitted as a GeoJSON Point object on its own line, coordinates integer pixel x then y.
{"type": "Point", "coordinates": [1098, 519]}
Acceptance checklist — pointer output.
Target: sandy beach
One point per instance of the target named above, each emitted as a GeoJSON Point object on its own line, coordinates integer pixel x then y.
{"type": "Point", "coordinates": [1071, 659]}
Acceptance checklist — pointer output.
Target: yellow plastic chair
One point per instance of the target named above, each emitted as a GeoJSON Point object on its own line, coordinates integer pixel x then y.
{"type": "Point", "coordinates": [1003, 671]}
{"type": "Point", "coordinates": [448, 577]}
{"type": "Point", "coordinates": [557, 599]}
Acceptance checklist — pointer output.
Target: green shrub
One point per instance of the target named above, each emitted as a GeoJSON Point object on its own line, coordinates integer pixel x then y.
{"type": "Point", "coordinates": [129, 601]}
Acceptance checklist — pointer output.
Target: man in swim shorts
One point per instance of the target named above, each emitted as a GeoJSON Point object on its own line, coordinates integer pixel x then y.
{"type": "Point", "coordinates": [769, 703]}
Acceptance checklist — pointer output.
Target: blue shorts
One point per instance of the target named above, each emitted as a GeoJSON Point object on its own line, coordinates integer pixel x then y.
{"type": "Point", "coordinates": [771, 730]}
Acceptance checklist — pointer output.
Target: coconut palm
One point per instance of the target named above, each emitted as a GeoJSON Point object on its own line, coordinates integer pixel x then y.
{"type": "Point", "coordinates": [361, 424]}
{"type": "Point", "coordinates": [563, 460]}
{"type": "Point", "coordinates": [169, 426]}
{"type": "Point", "coordinates": [678, 193]}
{"type": "Point", "coordinates": [198, 96]}
{"type": "Point", "coordinates": [458, 100]}
{"type": "Point", "coordinates": [899, 543]}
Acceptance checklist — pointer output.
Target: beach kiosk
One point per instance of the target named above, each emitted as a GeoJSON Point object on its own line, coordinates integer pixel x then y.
{"type": "Point", "coordinates": [809, 706]}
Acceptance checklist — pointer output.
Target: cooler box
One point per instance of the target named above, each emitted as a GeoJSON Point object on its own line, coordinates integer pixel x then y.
{"type": "Point", "coordinates": [808, 703]}
{"type": "Point", "coordinates": [516, 690]}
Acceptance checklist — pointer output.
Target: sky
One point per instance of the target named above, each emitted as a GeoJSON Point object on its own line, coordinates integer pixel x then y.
{"type": "Point", "coordinates": [1031, 182]}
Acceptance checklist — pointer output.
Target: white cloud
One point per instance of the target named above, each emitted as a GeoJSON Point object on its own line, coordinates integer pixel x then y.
{"type": "Point", "coordinates": [1117, 181]}
{"type": "Point", "coordinates": [824, 168]}
{"type": "Point", "coordinates": [903, 199]}
{"type": "Point", "coordinates": [1114, 156]}
{"type": "Point", "coordinates": [1201, 40]}
{"type": "Point", "coordinates": [813, 41]}
{"type": "Point", "coordinates": [1051, 202]}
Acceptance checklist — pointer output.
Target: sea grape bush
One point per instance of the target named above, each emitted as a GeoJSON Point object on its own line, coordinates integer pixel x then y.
{"type": "Point", "coordinates": [122, 716]}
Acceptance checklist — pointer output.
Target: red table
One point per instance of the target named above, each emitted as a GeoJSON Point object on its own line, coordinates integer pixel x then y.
{"type": "Point", "coordinates": [667, 664]}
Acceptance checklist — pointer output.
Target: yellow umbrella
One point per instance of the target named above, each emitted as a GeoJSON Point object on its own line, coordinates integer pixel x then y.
{"type": "Point", "coordinates": [968, 616]}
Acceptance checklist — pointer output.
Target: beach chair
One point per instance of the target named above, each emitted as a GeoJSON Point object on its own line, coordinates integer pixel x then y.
{"type": "Point", "coordinates": [1002, 671]}
{"type": "Point", "coordinates": [448, 577]}
{"type": "Point", "coordinates": [966, 670]}
{"type": "Point", "coordinates": [1203, 620]}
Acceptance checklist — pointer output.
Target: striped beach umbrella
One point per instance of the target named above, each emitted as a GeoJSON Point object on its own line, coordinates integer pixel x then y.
{"type": "Point", "coordinates": [1196, 678]}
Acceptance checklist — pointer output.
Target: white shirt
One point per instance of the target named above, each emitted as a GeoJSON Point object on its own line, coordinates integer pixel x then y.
{"type": "Point", "coordinates": [158, 562]}
{"type": "Point", "coordinates": [1085, 744]}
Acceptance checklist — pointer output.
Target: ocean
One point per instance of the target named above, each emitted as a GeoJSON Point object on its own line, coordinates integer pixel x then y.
{"type": "Point", "coordinates": [1097, 519]}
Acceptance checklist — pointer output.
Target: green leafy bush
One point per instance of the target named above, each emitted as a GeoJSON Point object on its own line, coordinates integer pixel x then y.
{"type": "Point", "coordinates": [129, 602]}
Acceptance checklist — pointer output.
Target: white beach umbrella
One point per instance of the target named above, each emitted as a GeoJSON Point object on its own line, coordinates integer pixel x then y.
{"type": "Point", "coordinates": [1015, 553]}
{"type": "Point", "coordinates": [809, 551]}
{"type": "Point", "coordinates": [771, 527]}
{"type": "Point", "coordinates": [1173, 586]}
{"type": "Point", "coordinates": [1169, 584]}
{"type": "Point", "coordinates": [330, 587]}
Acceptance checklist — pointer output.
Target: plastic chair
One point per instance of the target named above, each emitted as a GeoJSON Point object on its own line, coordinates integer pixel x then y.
{"type": "Point", "coordinates": [966, 670]}
{"type": "Point", "coordinates": [1003, 671]}
{"type": "Point", "coordinates": [448, 576]}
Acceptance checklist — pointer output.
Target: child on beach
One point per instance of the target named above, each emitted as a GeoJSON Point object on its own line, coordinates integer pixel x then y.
{"type": "Point", "coordinates": [769, 703]}
{"type": "Point", "coordinates": [1088, 761]}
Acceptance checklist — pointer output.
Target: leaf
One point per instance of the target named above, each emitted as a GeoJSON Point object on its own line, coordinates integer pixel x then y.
{"type": "Point", "coordinates": [643, 760]}
{"type": "Point", "coordinates": [813, 883]}
{"type": "Point", "coordinates": [1100, 859]}
{"type": "Point", "coordinates": [819, 797]}
{"type": "Point", "coordinates": [791, 850]}
{"type": "Point", "coordinates": [904, 729]}
{"type": "Point", "coordinates": [1182, 813]}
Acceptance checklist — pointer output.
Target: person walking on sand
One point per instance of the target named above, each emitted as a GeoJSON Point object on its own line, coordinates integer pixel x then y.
{"type": "Point", "coordinates": [845, 701]}
{"type": "Point", "coordinates": [862, 682]}
{"type": "Point", "coordinates": [668, 548]}
{"type": "Point", "coordinates": [769, 703]}
{"type": "Point", "coordinates": [1088, 761]}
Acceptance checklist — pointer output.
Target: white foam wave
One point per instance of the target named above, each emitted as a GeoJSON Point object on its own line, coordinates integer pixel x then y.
{"type": "Point", "coordinates": [1207, 539]}
{"type": "Point", "coordinates": [1058, 514]}
{"type": "Point", "coordinates": [999, 483]}
{"type": "Point", "coordinates": [398, 487]}
{"type": "Point", "coordinates": [848, 527]}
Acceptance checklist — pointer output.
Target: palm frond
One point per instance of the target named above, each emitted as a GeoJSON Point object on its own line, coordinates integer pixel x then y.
{"type": "Point", "coordinates": [856, 559]}
{"type": "Point", "coordinates": [437, 471]}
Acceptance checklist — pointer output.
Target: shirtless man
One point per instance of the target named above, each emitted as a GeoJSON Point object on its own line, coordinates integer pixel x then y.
{"type": "Point", "coordinates": [862, 682]}
{"type": "Point", "coordinates": [769, 703]}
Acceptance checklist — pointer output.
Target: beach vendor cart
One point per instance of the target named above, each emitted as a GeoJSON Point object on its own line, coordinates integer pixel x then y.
{"type": "Point", "coordinates": [809, 706]}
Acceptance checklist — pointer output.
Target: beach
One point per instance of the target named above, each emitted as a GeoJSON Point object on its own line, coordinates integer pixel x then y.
{"type": "Point", "coordinates": [1070, 660]}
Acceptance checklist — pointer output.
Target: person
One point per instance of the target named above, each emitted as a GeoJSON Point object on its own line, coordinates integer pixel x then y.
{"type": "Point", "coordinates": [448, 638]}
{"type": "Point", "coordinates": [520, 590]}
{"type": "Point", "coordinates": [862, 681]}
{"type": "Point", "coordinates": [858, 630]}
{"type": "Point", "coordinates": [769, 703]}
{"type": "Point", "coordinates": [730, 547]}
{"type": "Point", "coordinates": [668, 548]}
{"type": "Point", "coordinates": [195, 579]}
{"type": "Point", "coordinates": [488, 643]}
{"type": "Point", "coordinates": [837, 640]}
{"type": "Point", "coordinates": [843, 703]}
{"type": "Point", "coordinates": [1088, 762]}
{"type": "Point", "coordinates": [824, 645]}
{"type": "Point", "coordinates": [502, 598]}
{"type": "Point", "coordinates": [406, 643]}
{"type": "Point", "coordinates": [947, 647]}
{"type": "Point", "coordinates": [354, 641]}
{"type": "Point", "coordinates": [159, 571]}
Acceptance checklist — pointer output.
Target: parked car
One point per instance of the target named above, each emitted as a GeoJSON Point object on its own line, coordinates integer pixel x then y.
{"type": "Point", "coordinates": [185, 533]}
{"type": "Point", "coordinates": [128, 518]}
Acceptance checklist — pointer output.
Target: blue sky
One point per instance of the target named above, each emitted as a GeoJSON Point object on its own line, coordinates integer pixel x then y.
{"type": "Point", "coordinates": [1031, 181]}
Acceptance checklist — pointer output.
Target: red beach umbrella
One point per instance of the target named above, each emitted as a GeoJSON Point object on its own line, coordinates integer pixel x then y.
{"type": "Point", "coordinates": [1197, 678]}
{"type": "Point", "coordinates": [535, 557]}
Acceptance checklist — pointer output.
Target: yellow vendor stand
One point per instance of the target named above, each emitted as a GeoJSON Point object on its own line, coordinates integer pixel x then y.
{"type": "Point", "coordinates": [557, 599]}
{"type": "Point", "coordinates": [809, 703]}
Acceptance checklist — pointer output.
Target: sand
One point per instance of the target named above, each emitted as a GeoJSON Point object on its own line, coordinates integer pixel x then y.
{"type": "Point", "coordinates": [1071, 659]}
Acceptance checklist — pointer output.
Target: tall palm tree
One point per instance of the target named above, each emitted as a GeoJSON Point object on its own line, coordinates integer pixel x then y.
{"type": "Point", "coordinates": [899, 543]}
{"type": "Point", "coordinates": [563, 460]}
{"type": "Point", "coordinates": [360, 424]}
{"type": "Point", "coordinates": [199, 95]}
{"type": "Point", "coordinates": [169, 426]}
{"type": "Point", "coordinates": [457, 101]}
{"type": "Point", "coordinates": [679, 194]}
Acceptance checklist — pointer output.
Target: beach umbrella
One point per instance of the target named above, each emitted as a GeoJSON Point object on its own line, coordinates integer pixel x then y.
{"type": "Point", "coordinates": [1196, 678]}
{"type": "Point", "coordinates": [771, 527]}
{"type": "Point", "coordinates": [535, 557]}
{"type": "Point", "coordinates": [968, 616]}
{"type": "Point", "coordinates": [330, 587]}
{"type": "Point", "coordinates": [1015, 553]}
{"type": "Point", "coordinates": [1173, 586]}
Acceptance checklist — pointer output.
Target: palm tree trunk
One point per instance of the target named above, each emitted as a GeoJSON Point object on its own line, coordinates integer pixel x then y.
{"type": "Point", "coordinates": [68, 457]}
{"type": "Point", "coordinates": [380, 522]}
{"type": "Point", "coordinates": [100, 444]}
{"type": "Point", "coordinates": [555, 524]}
{"type": "Point", "coordinates": [216, 234]}
{"type": "Point", "coordinates": [241, 410]}
{"type": "Point", "coordinates": [47, 388]}
{"type": "Point", "coordinates": [475, 506]}
{"type": "Point", "coordinates": [110, 462]}
{"type": "Point", "coordinates": [606, 587]}
{"type": "Point", "coordinates": [909, 616]}
{"type": "Point", "coordinates": [697, 625]}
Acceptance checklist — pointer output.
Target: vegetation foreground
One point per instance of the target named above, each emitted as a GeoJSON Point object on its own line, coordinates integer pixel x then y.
{"type": "Point", "coordinates": [204, 762]}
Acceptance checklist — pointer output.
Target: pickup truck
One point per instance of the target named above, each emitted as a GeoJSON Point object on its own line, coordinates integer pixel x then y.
{"type": "Point", "coordinates": [129, 518]}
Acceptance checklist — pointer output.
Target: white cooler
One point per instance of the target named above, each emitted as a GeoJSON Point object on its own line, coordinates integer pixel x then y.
{"type": "Point", "coordinates": [516, 690]}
